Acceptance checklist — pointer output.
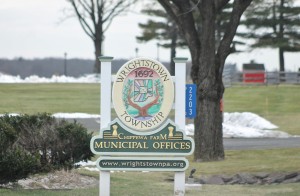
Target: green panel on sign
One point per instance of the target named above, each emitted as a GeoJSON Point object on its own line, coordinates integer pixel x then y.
{"type": "Point", "coordinates": [118, 140]}
{"type": "Point", "coordinates": [142, 163]}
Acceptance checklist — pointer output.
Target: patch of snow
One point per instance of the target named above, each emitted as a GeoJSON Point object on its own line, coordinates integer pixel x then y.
{"type": "Point", "coordinates": [88, 78]}
{"type": "Point", "coordinates": [84, 163]}
{"type": "Point", "coordinates": [10, 79]}
{"type": "Point", "coordinates": [75, 115]}
{"type": "Point", "coordinates": [247, 119]}
{"type": "Point", "coordinates": [235, 125]}
{"type": "Point", "coordinates": [10, 114]}
{"type": "Point", "coordinates": [65, 115]}
{"type": "Point", "coordinates": [230, 131]}
{"type": "Point", "coordinates": [89, 165]}
{"type": "Point", "coordinates": [245, 125]}
{"type": "Point", "coordinates": [189, 129]}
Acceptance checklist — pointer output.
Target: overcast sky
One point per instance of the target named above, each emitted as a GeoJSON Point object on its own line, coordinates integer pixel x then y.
{"type": "Point", "coordinates": [34, 29]}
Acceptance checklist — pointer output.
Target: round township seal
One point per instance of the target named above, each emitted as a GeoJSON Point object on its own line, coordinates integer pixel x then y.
{"type": "Point", "coordinates": [143, 94]}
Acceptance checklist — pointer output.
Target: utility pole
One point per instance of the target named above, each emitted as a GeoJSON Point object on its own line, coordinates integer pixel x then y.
{"type": "Point", "coordinates": [65, 64]}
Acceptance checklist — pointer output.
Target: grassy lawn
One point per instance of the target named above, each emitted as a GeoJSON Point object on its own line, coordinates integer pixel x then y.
{"type": "Point", "coordinates": [155, 188]}
{"type": "Point", "coordinates": [252, 161]}
{"type": "Point", "coordinates": [160, 183]}
{"type": "Point", "coordinates": [279, 104]}
{"type": "Point", "coordinates": [165, 189]}
{"type": "Point", "coordinates": [51, 98]}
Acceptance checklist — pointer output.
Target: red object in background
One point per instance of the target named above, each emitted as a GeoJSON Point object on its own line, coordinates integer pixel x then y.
{"type": "Point", "coordinates": [221, 105]}
{"type": "Point", "coordinates": [254, 77]}
{"type": "Point", "coordinates": [254, 73]}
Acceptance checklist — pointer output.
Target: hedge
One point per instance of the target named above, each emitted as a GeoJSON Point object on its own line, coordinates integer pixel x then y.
{"type": "Point", "coordinates": [40, 143]}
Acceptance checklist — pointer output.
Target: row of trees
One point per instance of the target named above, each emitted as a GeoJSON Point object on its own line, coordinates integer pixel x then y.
{"type": "Point", "coordinates": [207, 28]}
{"type": "Point", "coordinates": [269, 23]}
{"type": "Point", "coordinates": [273, 24]}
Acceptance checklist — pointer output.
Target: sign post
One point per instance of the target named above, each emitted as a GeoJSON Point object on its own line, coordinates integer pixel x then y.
{"type": "Point", "coordinates": [105, 108]}
{"type": "Point", "coordinates": [142, 136]}
{"type": "Point", "coordinates": [180, 79]}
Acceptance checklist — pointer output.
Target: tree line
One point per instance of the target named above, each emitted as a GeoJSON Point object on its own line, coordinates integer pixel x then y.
{"type": "Point", "coordinates": [47, 67]}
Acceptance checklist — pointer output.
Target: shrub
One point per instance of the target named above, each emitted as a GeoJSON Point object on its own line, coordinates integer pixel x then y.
{"type": "Point", "coordinates": [37, 135]}
{"type": "Point", "coordinates": [75, 143]}
{"type": "Point", "coordinates": [16, 163]}
{"type": "Point", "coordinates": [46, 144]}
{"type": "Point", "coordinates": [8, 136]}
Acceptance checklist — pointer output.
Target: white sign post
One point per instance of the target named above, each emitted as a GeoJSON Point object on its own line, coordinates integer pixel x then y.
{"type": "Point", "coordinates": [180, 80]}
{"type": "Point", "coordinates": [105, 107]}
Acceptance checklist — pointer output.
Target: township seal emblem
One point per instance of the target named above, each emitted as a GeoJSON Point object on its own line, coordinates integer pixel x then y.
{"type": "Point", "coordinates": [143, 94]}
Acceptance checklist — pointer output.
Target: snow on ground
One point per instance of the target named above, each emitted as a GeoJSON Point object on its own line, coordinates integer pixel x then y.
{"type": "Point", "coordinates": [89, 78]}
{"type": "Point", "coordinates": [233, 131]}
{"type": "Point", "coordinates": [75, 115]}
{"type": "Point", "coordinates": [235, 125]}
{"type": "Point", "coordinates": [248, 119]}
{"type": "Point", "coordinates": [245, 125]}
{"type": "Point", "coordinates": [88, 163]}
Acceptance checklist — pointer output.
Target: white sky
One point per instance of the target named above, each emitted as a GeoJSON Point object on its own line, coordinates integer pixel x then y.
{"type": "Point", "coordinates": [32, 29]}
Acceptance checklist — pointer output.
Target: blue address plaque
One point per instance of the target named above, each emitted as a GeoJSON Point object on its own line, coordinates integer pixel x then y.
{"type": "Point", "coordinates": [190, 100]}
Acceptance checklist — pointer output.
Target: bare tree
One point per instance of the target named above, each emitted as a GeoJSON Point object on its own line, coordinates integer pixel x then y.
{"type": "Point", "coordinates": [95, 17]}
{"type": "Point", "coordinates": [207, 65]}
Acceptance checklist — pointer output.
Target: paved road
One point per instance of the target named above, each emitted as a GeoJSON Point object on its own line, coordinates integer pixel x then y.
{"type": "Point", "coordinates": [260, 143]}
{"type": "Point", "coordinates": [91, 124]}
{"type": "Point", "coordinates": [229, 143]}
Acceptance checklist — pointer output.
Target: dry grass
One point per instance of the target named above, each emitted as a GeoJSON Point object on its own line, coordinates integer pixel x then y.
{"type": "Point", "coordinates": [58, 180]}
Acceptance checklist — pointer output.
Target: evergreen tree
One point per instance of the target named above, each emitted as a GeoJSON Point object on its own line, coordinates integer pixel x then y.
{"type": "Point", "coordinates": [162, 28]}
{"type": "Point", "coordinates": [221, 23]}
{"type": "Point", "coordinates": [274, 24]}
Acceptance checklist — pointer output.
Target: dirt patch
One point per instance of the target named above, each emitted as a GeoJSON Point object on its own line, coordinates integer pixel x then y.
{"type": "Point", "coordinates": [55, 180]}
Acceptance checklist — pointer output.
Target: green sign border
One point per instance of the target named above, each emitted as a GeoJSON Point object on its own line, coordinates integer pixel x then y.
{"type": "Point", "coordinates": [130, 163]}
{"type": "Point", "coordinates": [179, 137]}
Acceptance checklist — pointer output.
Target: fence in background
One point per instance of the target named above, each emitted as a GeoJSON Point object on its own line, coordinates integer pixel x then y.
{"type": "Point", "coordinates": [268, 78]}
